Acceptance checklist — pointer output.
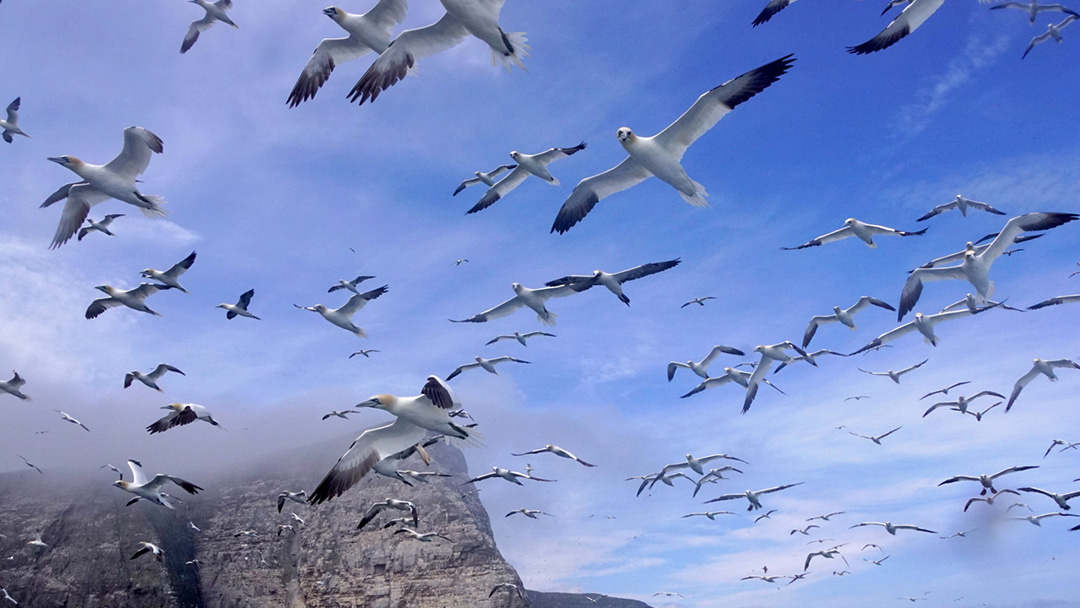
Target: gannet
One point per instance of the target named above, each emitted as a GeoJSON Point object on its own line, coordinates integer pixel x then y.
{"type": "Point", "coordinates": [102, 226]}
{"type": "Point", "coordinates": [30, 464]}
{"type": "Point", "coordinates": [845, 316]}
{"type": "Point", "coordinates": [987, 481]}
{"type": "Point", "coordinates": [1055, 301]}
{"type": "Point", "coordinates": [613, 281]}
{"type": "Point", "coordinates": [509, 587]}
{"type": "Point", "coordinates": [181, 414]}
{"type": "Point", "coordinates": [730, 375]}
{"type": "Point", "coordinates": [420, 476]}
{"type": "Point", "coordinates": [556, 450]}
{"type": "Point", "coordinates": [661, 154]}
{"type": "Point", "coordinates": [754, 497]}
{"type": "Point", "coordinates": [945, 391]}
{"type": "Point", "coordinates": [924, 324]}
{"type": "Point", "coordinates": [648, 481]}
{"type": "Point", "coordinates": [1037, 519]}
{"type": "Point", "coordinates": [170, 276]}
{"type": "Point", "coordinates": [37, 542]}
{"type": "Point", "coordinates": [808, 358]}
{"type": "Point", "coordinates": [988, 499]}
{"type": "Point", "coordinates": [507, 474]}
{"type": "Point", "coordinates": [668, 594]}
{"type": "Point", "coordinates": [975, 268]}
{"type": "Point", "coordinates": [804, 531]}
{"type": "Point", "coordinates": [342, 317]}
{"type": "Point", "coordinates": [891, 528]}
{"type": "Point", "coordinates": [1039, 367]}
{"type": "Point", "coordinates": [113, 469]}
{"type": "Point", "coordinates": [299, 497]}
{"type": "Point", "coordinates": [115, 179]}
{"type": "Point", "coordinates": [426, 537]}
{"type": "Point", "coordinates": [463, 17]}
{"type": "Point", "coordinates": [701, 368]}
{"type": "Point", "coordinates": [876, 438]}
{"type": "Point", "coordinates": [1033, 8]}
{"type": "Point", "coordinates": [366, 352]}
{"type": "Point", "coordinates": [215, 11]}
{"type": "Point", "coordinates": [895, 376]}
{"type": "Point", "coordinates": [695, 464]}
{"type": "Point", "coordinates": [699, 301]}
{"type": "Point", "coordinates": [485, 364]}
{"type": "Point", "coordinates": [960, 203]}
{"type": "Point", "coordinates": [826, 516]}
{"type": "Point", "coordinates": [1053, 30]}
{"type": "Point", "coordinates": [519, 337]}
{"type": "Point", "coordinates": [533, 298]}
{"type": "Point", "coordinates": [460, 261]}
{"type": "Point", "coordinates": [192, 525]}
{"type": "Point", "coordinates": [976, 248]}
{"type": "Point", "coordinates": [1062, 500]}
{"type": "Point", "coordinates": [367, 33]}
{"type": "Point", "coordinates": [12, 386]}
{"type": "Point", "coordinates": [350, 285]}
{"type": "Point", "coordinates": [773, 7]}
{"type": "Point", "coordinates": [247, 533]}
{"type": "Point", "coordinates": [7, 596]}
{"type": "Point", "coordinates": [149, 548]}
{"type": "Point", "coordinates": [1057, 442]}
{"type": "Point", "coordinates": [961, 403]}
{"type": "Point", "coordinates": [339, 414]}
{"type": "Point", "coordinates": [710, 514]}
{"type": "Point", "coordinates": [487, 179]}
{"type": "Point", "coordinates": [65, 416]}
{"type": "Point", "coordinates": [151, 378]}
{"type": "Point", "coordinates": [978, 415]}
{"type": "Point", "coordinates": [770, 353]}
{"type": "Point", "coordinates": [132, 298]}
{"type": "Point", "coordinates": [766, 515]}
{"type": "Point", "coordinates": [527, 164]}
{"type": "Point", "coordinates": [240, 308]}
{"type": "Point", "coordinates": [151, 490]}
{"type": "Point", "coordinates": [853, 227]}
{"type": "Point", "coordinates": [283, 527]}
{"type": "Point", "coordinates": [827, 554]}
{"type": "Point", "coordinates": [415, 416]}
{"type": "Point", "coordinates": [768, 578]}
{"type": "Point", "coordinates": [11, 125]}
{"type": "Point", "coordinates": [389, 503]}
{"type": "Point", "coordinates": [906, 22]}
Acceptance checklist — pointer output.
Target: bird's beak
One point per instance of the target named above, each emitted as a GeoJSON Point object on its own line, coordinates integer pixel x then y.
{"type": "Point", "coordinates": [102, 288]}
{"type": "Point", "coordinates": [368, 403]}
{"type": "Point", "coordinates": [329, 12]}
{"type": "Point", "coordinates": [58, 160]}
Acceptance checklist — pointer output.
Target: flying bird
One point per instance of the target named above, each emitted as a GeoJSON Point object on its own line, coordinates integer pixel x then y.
{"type": "Point", "coordinates": [978, 415]}
{"type": "Point", "coordinates": [170, 276]}
{"type": "Point", "coordinates": [891, 528]}
{"type": "Point", "coordinates": [425, 537]}
{"type": "Point", "coordinates": [366, 352]}
{"type": "Point", "coordinates": [701, 368]}
{"type": "Point", "coordinates": [1033, 8]}
{"type": "Point", "coordinates": [917, 12]}
{"type": "Point", "coordinates": [961, 403]}
{"type": "Point", "coordinates": [661, 154]}
{"type": "Point", "coordinates": [350, 285]}
{"type": "Point", "coordinates": [181, 414]}
{"type": "Point", "coordinates": [149, 548]}
{"type": "Point", "coordinates": [1037, 519]}
{"type": "Point", "coordinates": [30, 464]}
{"type": "Point", "coordinates": [215, 11]}
{"type": "Point", "coordinates": [102, 226]}
{"type": "Point", "coordinates": [845, 316]}
{"type": "Point", "coordinates": [988, 499]}
{"type": "Point", "coordinates": [12, 386]}
{"type": "Point", "coordinates": [150, 379]}
{"type": "Point", "coordinates": [389, 503]}
{"type": "Point", "coordinates": [7, 596]}
{"type": "Point", "coordinates": [132, 298]}
{"type": "Point", "coordinates": [710, 514]}
{"type": "Point", "coordinates": [987, 481]}
{"type": "Point", "coordinates": [977, 248]}
{"type": "Point", "coordinates": [808, 358]}
{"type": "Point", "coordinates": [895, 376]}
{"type": "Point", "coordinates": [730, 375]}
{"type": "Point", "coordinates": [342, 317]}
{"type": "Point", "coordinates": [876, 438]}
{"type": "Point", "coordinates": [853, 227]}
{"type": "Point", "coordinates": [240, 308]}
{"type": "Point", "coordinates": [828, 554]}
{"type": "Point", "coordinates": [1039, 366]}
{"type": "Point", "coordinates": [1055, 301]}
{"type": "Point", "coordinates": [10, 126]}
{"type": "Point", "coordinates": [487, 179]}
{"type": "Point", "coordinates": [533, 298]}
{"type": "Point", "coordinates": [297, 497]}
{"type": "Point", "coordinates": [924, 324]}
{"type": "Point", "coordinates": [1062, 500]}
{"type": "Point", "coordinates": [519, 337]}
{"type": "Point", "coordinates": [804, 531]}
{"type": "Point", "coordinates": [65, 416]}
{"type": "Point", "coordinates": [614, 280]}
{"type": "Point", "coordinates": [774, 352]}
{"type": "Point", "coordinates": [1053, 30]}
{"type": "Point", "coordinates": [339, 414]}
{"type": "Point", "coordinates": [556, 450]}
{"type": "Point", "coordinates": [527, 164]}
{"type": "Point", "coordinates": [945, 390]}
{"type": "Point", "coordinates": [507, 474]}
{"type": "Point", "coordinates": [485, 364]}
{"type": "Point", "coordinates": [151, 489]}
{"type": "Point", "coordinates": [960, 203]}
{"type": "Point", "coordinates": [826, 516]}
{"type": "Point", "coordinates": [753, 497]}
{"type": "Point", "coordinates": [699, 301]}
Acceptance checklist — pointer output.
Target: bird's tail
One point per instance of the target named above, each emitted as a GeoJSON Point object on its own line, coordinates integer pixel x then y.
{"type": "Point", "coordinates": [153, 206]}
{"type": "Point", "coordinates": [697, 197]}
{"type": "Point", "coordinates": [515, 42]}
{"type": "Point", "coordinates": [548, 318]}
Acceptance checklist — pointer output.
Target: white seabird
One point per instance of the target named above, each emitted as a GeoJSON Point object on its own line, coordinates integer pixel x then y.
{"type": "Point", "coordinates": [895, 376]}
{"type": "Point", "coordinates": [350, 285]}
{"type": "Point", "coordinates": [977, 248]}
{"type": "Point", "coordinates": [730, 375]}
{"type": "Point", "coordinates": [68, 418]}
{"type": "Point", "coordinates": [648, 481]}
{"type": "Point", "coordinates": [945, 390]}
{"type": "Point", "coordinates": [102, 226]}
{"type": "Point", "coordinates": [906, 22]}
{"type": "Point", "coordinates": [1053, 30]}
{"type": "Point", "coordinates": [487, 179]}
{"type": "Point", "coordinates": [10, 126]}
{"type": "Point", "coordinates": [1039, 366]}
{"type": "Point", "coordinates": [390, 503]}
{"type": "Point", "coordinates": [556, 450]}
{"type": "Point", "coordinates": [215, 11]}
{"type": "Point", "coordinates": [699, 301]}
{"type": "Point", "coordinates": [1033, 8]}
{"type": "Point", "coordinates": [613, 281]}
{"type": "Point", "coordinates": [988, 499]}
{"type": "Point", "coordinates": [170, 276]}
{"type": "Point", "coordinates": [710, 514]}
{"type": "Point", "coordinates": [1062, 500]}
{"type": "Point", "coordinates": [507, 474]}
{"type": "Point", "coordinates": [365, 352]}
{"type": "Point", "coordinates": [342, 317]}
{"type": "Point", "coordinates": [482, 363]}
{"type": "Point", "coordinates": [132, 298]}
{"type": "Point", "coordinates": [961, 403]}
{"type": "Point", "coordinates": [149, 548]}
{"type": "Point", "coordinates": [987, 481]}
{"type": "Point", "coordinates": [853, 227]}
{"type": "Point", "coordinates": [972, 303]}
{"type": "Point", "coordinates": [151, 378]}
{"type": "Point", "coordinates": [527, 164]}
{"type": "Point", "coordinates": [876, 438]}
{"type": "Point", "coordinates": [463, 17]}
{"type": "Point", "coordinates": [753, 497]}
{"type": "Point", "coordinates": [1037, 519]}
{"type": "Point", "coordinates": [845, 316]}
{"type": "Point", "coordinates": [696, 464]}
{"type": "Point", "coordinates": [661, 154]}
{"type": "Point", "coordinates": [115, 179]}
{"type": "Point", "coordinates": [891, 528]}
{"type": "Point", "coordinates": [826, 516]}
{"type": "Point", "coordinates": [533, 298]}
{"type": "Point", "coordinates": [978, 415]}
{"type": "Point", "coordinates": [519, 337]}
{"type": "Point", "coordinates": [425, 537]}
{"type": "Point", "coordinates": [30, 464]}
{"type": "Point", "coordinates": [369, 32]}
{"type": "Point", "coordinates": [828, 554]}
{"type": "Point", "coordinates": [181, 414]}
{"type": "Point", "coordinates": [12, 386]}
{"type": "Point", "coordinates": [339, 414]}
{"type": "Point", "coordinates": [808, 358]}
{"type": "Point", "coordinates": [8, 596]}
{"type": "Point", "coordinates": [924, 324]}
{"type": "Point", "coordinates": [151, 490]}
{"type": "Point", "coordinates": [960, 203]}
{"type": "Point", "coordinates": [1055, 301]}
{"type": "Point", "coordinates": [774, 352]}
{"type": "Point", "coordinates": [298, 497]}
{"type": "Point", "coordinates": [240, 308]}
{"type": "Point", "coordinates": [701, 368]}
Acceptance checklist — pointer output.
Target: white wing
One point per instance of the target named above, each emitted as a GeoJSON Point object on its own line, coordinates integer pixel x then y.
{"type": "Point", "coordinates": [137, 476]}
{"type": "Point", "coordinates": [133, 159]}
{"type": "Point", "coordinates": [369, 448]}
{"type": "Point", "coordinates": [80, 197]}
{"type": "Point", "coordinates": [908, 21]}
{"type": "Point", "coordinates": [590, 190]}
{"type": "Point", "coordinates": [500, 189]}
{"type": "Point", "coordinates": [357, 302]}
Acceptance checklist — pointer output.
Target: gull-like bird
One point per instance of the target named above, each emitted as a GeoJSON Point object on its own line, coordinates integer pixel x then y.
{"type": "Point", "coordinates": [533, 298]}
{"type": "Point", "coordinates": [730, 375]}
{"type": "Point", "coordinates": [366, 352]}
{"type": "Point", "coordinates": [1037, 519]}
{"type": "Point", "coordinates": [987, 481]}
{"type": "Point", "coordinates": [339, 414]}
{"type": "Point", "coordinates": [64, 415]}
{"type": "Point", "coordinates": [215, 11]}
{"type": "Point", "coordinates": [891, 528]}
{"type": "Point", "coordinates": [808, 358]}
{"type": "Point", "coordinates": [1039, 366]}
{"type": "Point", "coordinates": [894, 376]}
{"type": "Point", "coordinates": [914, 15]}
{"type": "Point", "coordinates": [876, 438]}
{"type": "Point", "coordinates": [181, 414]}
{"type": "Point", "coordinates": [960, 203]}
{"type": "Point", "coordinates": [826, 516]}
{"type": "Point", "coordinates": [30, 464]}
{"type": "Point", "coordinates": [977, 248]}
{"type": "Point", "coordinates": [648, 481]}
{"type": "Point", "coordinates": [1055, 301]}
{"type": "Point", "coordinates": [1062, 500]}
{"type": "Point", "coordinates": [768, 578]}
{"type": "Point", "coordinates": [978, 415]}
{"type": "Point", "coordinates": [350, 285]}
{"type": "Point", "coordinates": [530, 513]}
{"type": "Point", "coordinates": [804, 531]}
{"type": "Point", "coordinates": [132, 298]}
{"type": "Point", "coordinates": [527, 164]}
{"type": "Point", "coordinates": [961, 403]}
{"type": "Point", "coordinates": [1033, 8]}
{"type": "Point", "coordinates": [342, 317]}
{"type": "Point", "coordinates": [369, 32]}
{"type": "Point", "coordinates": [113, 469]}
{"type": "Point", "coordinates": [460, 261]}
{"type": "Point", "coordinates": [151, 378]}
{"type": "Point", "coordinates": [240, 308]}
{"type": "Point", "coordinates": [511, 587]}
{"type": "Point", "coordinates": [420, 476]}
{"type": "Point", "coordinates": [10, 126]}
{"type": "Point", "coordinates": [426, 537]}
{"type": "Point", "coordinates": [696, 464]}
{"type": "Point", "coordinates": [485, 364]}
{"type": "Point", "coordinates": [699, 301]}
{"type": "Point", "coordinates": [479, 18]}
{"type": "Point", "coordinates": [487, 179]}
{"type": "Point", "coordinates": [661, 155]}
{"type": "Point", "coordinates": [299, 520]}
{"type": "Point", "coordinates": [972, 303]}
{"type": "Point", "coordinates": [753, 497]}
{"type": "Point", "coordinates": [556, 450]}
{"type": "Point", "coordinates": [1053, 30]}
{"type": "Point", "coordinates": [1066, 445]}
{"type": "Point", "coordinates": [853, 227]}
{"type": "Point", "coordinates": [945, 390]}
{"type": "Point", "coordinates": [827, 554]}
{"type": "Point", "coordinates": [710, 514]}
{"type": "Point", "coordinates": [170, 276]}
{"type": "Point", "coordinates": [519, 337]}
{"type": "Point", "coordinates": [415, 416]}
{"type": "Point", "coordinates": [390, 503]}
{"type": "Point", "coordinates": [766, 515]}
{"type": "Point", "coordinates": [924, 324]}
{"type": "Point", "coordinates": [845, 316]}
{"type": "Point", "coordinates": [989, 498]}
{"type": "Point", "coordinates": [975, 268]}
{"type": "Point", "coordinates": [116, 179]}
{"type": "Point", "coordinates": [7, 596]}
{"type": "Point", "coordinates": [770, 353]}
{"type": "Point", "coordinates": [507, 474]}
{"type": "Point", "coordinates": [151, 489]}
{"type": "Point", "coordinates": [613, 281]}
{"type": "Point", "coordinates": [297, 497]}
{"type": "Point", "coordinates": [102, 226]}
{"type": "Point", "coordinates": [12, 386]}
{"type": "Point", "coordinates": [159, 554]}
{"type": "Point", "coordinates": [701, 368]}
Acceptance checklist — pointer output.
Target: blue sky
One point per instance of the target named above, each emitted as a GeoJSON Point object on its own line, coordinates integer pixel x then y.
{"type": "Point", "coordinates": [273, 199]}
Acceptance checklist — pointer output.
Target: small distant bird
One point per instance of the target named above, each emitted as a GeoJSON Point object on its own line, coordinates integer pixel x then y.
{"type": "Point", "coordinates": [853, 227]}
{"type": "Point", "coordinates": [701, 368]}
{"type": "Point", "coordinates": [8, 597]}
{"type": "Point", "coordinates": [876, 438]}
{"type": "Point", "coordinates": [420, 476]}
{"type": "Point", "coordinates": [68, 418]}
{"type": "Point", "coordinates": [519, 337]}
{"type": "Point", "coordinates": [945, 391]}
{"type": "Point", "coordinates": [31, 465]}
{"type": "Point", "coordinates": [924, 324]}
{"type": "Point", "coordinates": [668, 594]}
{"type": "Point", "coordinates": [856, 397]}
{"type": "Point", "coordinates": [509, 587]}
{"type": "Point", "coordinates": [845, 316]}
{"type": "Point", "coordinates": [342, 317]}
{"type": "Point", "coordinates": [424, 538]}
{"type": "Point", "coordinates": [487, 179]}
{"type": "Point", "coordinates": [768, 578]}
{"type": "Point", "coordinates": [151, 489]}
{"type": "Point", "coordinates": [527, 164]}
{"type": "Point", "coordinates": [1053, 30]}
{"type": "Point", "coordinates": [389, 503]}
{"type": "Point", "coordinates": [12, 386]}
{"type": "Point", "coordinates": [710, 514]}
{"type": "Point", "coordinates": [11, 125]}
{"type": "Point", "coordinates": [240, 308]}
{"type": "Point", "coordinates": [159, 554]}
{"type": "Point", "coordinates": [215, 11]}
{"type": "Point", "coordinates": [298, 497]}
{"type": "Point", "coordinates": [754, 497]}
{"type": "Point", "coordinates": [766, 515]}
{"type": "Point", "coordinates": [181, 414]}
{"type": "Point", "coordinates": [891, 528]}
{"type": "Point", "coordinates": [485, 364]}
{"type": "Point", "coordinates": [350, 285]}
{"type": "Point", "coordinates": [507, 474]}
{"type": "Point", "coordinates": [826, 516]}
{"type": "Point", "coordinates": [556, 450]}
{"type": "Point", "coordinates": [339, 414]}
{"type": "Point", "coordinates": [988, 499]}
{"type": "Point", "coordinates": [102, 226]}
{"type": "Point", "coordinates": [699, 301]}
{"type": "Point", "coordinates": [134, 299]}
{"type": "Point", "coordinates": [1040, 366]}
{"type": "Point", "coordinates": [460, 261]}
{"type": "Point", "coordinates": [247, 533]}
{"type": "Point", "coordinates": [804, 531]}
{"type": "Point", "coordinates": [170, 276]}
{"type": "Point", "coordinates": [192, 525]}
{"type": "Point", "coordinates": [113, 469]}
{"type": "Point", "coordinates": [299, 520]}
{"type": "Point", "coordinates": [1057, 442]}
{"type": "Point", "coordinates": [1033, 8]}
{"type": "Point", "coordinates": [960, 203]}
{"type": "Point", "coordinates": [895, 376]}
{"type": "Point", "coordinates": [283, 527]}
{"type": "Point", "coordinates": [365, 352]}
{"type": "Point", "coordinates": [961, 403]}
{"type": "Point", "coordinates": [730, 375]}
{"type": "Point", "coordinates": [150, 379]}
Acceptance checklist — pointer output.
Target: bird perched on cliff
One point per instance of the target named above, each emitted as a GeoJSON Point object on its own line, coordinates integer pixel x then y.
{"type": "Point", "coordinates": [527, 164]}
{"type": "Point", "coordinates": [102, 226]}
{"type": "Point", "coordinates": [10, 126]}
{"type": "Point", "coordinates": [151, 490]}
{"type": "Point", "coordinates": [342, 317]}
{"type": "Point", "coordinates": [159, 554]}
{"type": "Point", "coordinates": [299, 497]}
{"type": "Point", "coordinates": [134, 299]}
{"type": "Point", "coordinates": [115, 179]}
{"type": "Point", "coordinates": [12, 386]}
{"type": "Point", "coordinates": [390, 503]}
{"type": "Point", "coordinates": [240, 308]}
{"type": "Point", "coordinates": [170, 276]}
{"type": "Point", "coordinates": [215, 11]}
{"type": "Point", "coordinates": [150, 379]}
{"type": "Point", "coordinates": [181, 414]}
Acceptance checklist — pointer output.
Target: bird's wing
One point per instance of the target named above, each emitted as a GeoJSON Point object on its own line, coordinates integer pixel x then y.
{"type": "Point", "coordinates": [577, 282]}
{"type": "Point", "coordinates": [387, 13]}
{"type": "Point", "coordinates": [138, 478]}
{"type": "Point", "coordinates": [773, 7]}
{"type": "Point", "coordinates": [1062, 363]}
{"type": "Point", "coordinates": [644, 270]}
{"type": "Point", "coordinates": [181, 267]}
{"type": "Point", "coordinates": [465, 184]}
{"type": "Point", "coordinates": [553, 154]}
{"type": "Point", "coordinates": [13, 110]}
{"type": "Point", "coordinates": [330, 53]}
{"type": "Point", "coordinates": [461, 368]}
{"type": "Point", "coordinates": [358, 301]}
{"type": "Point", "coordinates": [127, 379]}
{"type": "Point", "coordinates": [880, 437]}
{"type": "Point", "coordinates": [812, 328]}
{"type": "Point", "coordinates": [832, 237]}
{"type": "Point", "coordinates": [713, 105]}
{"type": "Point", "coordinates": [674, 365]}
{"type": "Point", "coordinates": [440, 393]}
{"type": "Point", "coordinates": [142, 551]}
{"type": "Point", "coordinates": [101, 305]}
{"type": "Point", "coordinates": [501, 310]}
{"type": "Point", "coordinates": [196, 28]}
{"type": "Point", "coordinates": [173, 418]}
{"type": "Point", "coordinates": [778, 488]}
{"type": "Point", "coordinates": [1055, 301]}
{"type": "Point", "coordinates": [1020, 384]}
{"type": "Point", "coordinates": [867, 301]}
{"type": "Point", "coordinates": [139, 143]}
{"type": "Point", "coordinates": [1024, 223]}
{"type": "Point", "coordinates": [369, 448]}
{"type": "Point", "coordinates": [984, 206]}
{"type": "Point", "coordinates": [909, 295]}
{"type": "Point", "coordinates": [938, 211]}
{"type": "Point", "coordinates": [1012, 470]}
{"type": "Point", "coordinates": [80, 197]}
{"type": "Point", "coordinates": [500, 189]}
{"type": "Point", "coordinates": [916, 366]}
{"type": "Point", "coordinates": [145, 290]}
{"type": "Point", "coordinates": [906, 22]}
{"type": "Point", "coordinates": [245, 298]}
{"type": "Point", "coordinates": [590, 190]}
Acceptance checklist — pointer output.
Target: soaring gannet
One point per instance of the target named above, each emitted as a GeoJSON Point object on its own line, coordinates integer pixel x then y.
{"type": "Point", "coordinates": [975, 268]}
{"type": "Point", "coordinates": [170, 276]}
{"type": "Point", "coordinates": [827, 554]}
{"type": "Point", "coordinates": [895, 376]}
{"type": "Point", "coordinates": [809, 357]}
{"type": "Point", "coordinates": [961, 403]}
{"type": "Point", "coordinates": [240, 308]}
{"type": "Point", "coordinates": [181, 414]}
{"type": "Point", "coordinates": [151, 378]}
{"type": "Point", "coordinates": [533, 298]}
{"type": "Point", "coordinates": [10, 126]}
{"type": "Point", "coordinates": [805, 531]}
{"type": "Point", "coordinates": [1039, 366]}
{"type": "Point", "coordinates": [487, 365]}
{"type": "Point", "coordinates": [350, 285]}
{"type": "Point", "coordinates": [1033, 8]}
{"type": "Point", "coordinates": [979, 415]}
{"type": "Point", "coordinates": [151, 490]}
{"type": "Point", "coordinates": [876, 438]}
{"type": "Point", "coordinates": [846, 316]}
{"type": "Point", "coordinates": [977, 248]}
{"type": "Point", "coordinates": [30, 464]}
{"type": "Point", "coordinates": [556, 450]}
{"type": "Point", "coordinates": [648, 481]}
{"type": "Point", "coordinates": [342, 317]}
{"type": "Point", "coordinates": [159, 554]}
{"type": "Point", "coordinates": [1055, 301]}
{"type": "Point", "coordinates": [487, 179]}
{"type": "Point", "coordinates": [730, 375]}
{"type": "Point", "coordinates": [511, 587]}
{"type": "Point", "coordinates": [908, 21]}
{"type": "Point", "coordinates": [1053, 30]}
{"type": "Point", "coordinates": [415, 416]}
{"type": "Point", "coordinates": [710, 514]}
{"type": "Point", "coordinates": [115, 179]}
{"type": "Point", "coordinates": [365, 352]}
{"type": "Point", "coordinates": [613, 281]}
{"type": "Point", "coordinates": [924, 324]}
{"type": "Point", "coordinates": [695, 464]}
{"type": "Point", "coordinates": [701, 368]}
{"type": "Point", "coordinates": [1062, 500]}
{"type": "Point", "coordinates": [527, 164]}
{"type": "Point", "coordinates": [1037, 519]}
{"type": "Point", "coordinates": [826, 516]}
{"type": "Point", "coordinates": [960, 203]}
{"type": "Point", "coordinates": [753, 497]}
{"type": "Point", "coordinates": [390, 503]}
{"type": "Point", "coordinates": [507, 474]}
{"type": "Point", "coordinates": [299, 497]}
{"type": "Point", "coordinates": [853, 227]}
{"type": "Point", "coordinates": [661, 154]}
{"type": "Point", "coordinates": [891, 528]}
{"type": "Point", "coordinates": [972, 303]}
{"type": "Point", "coordinates": [64, 415]}
{"type": "Point", "coordinates": [945, 390]}
{"type": "Point", "coordinates": [215, 11]}
{"type": "Point", "coordinates": [699, 301]}
{"type": "Point", "coordinates": [988, 499]}
{"type": "Point", "coordinates": [463, 17]}
{"type": "Point", "coordinates": [132, 298]}
{"type": "Point", "coordinates": [7, 596]}
{"type": "Point", "coordinates": [770, 353]}
{"type": "Point", "coordinates": [367, 32]}
{"type": "Point", "coordinates": [425, 537]}
{"type": "Point", "coordinates": [12, 386]}
{"type": "Point", "coordinates": [102, 226]}
{"type": "Point", "coordinates": [519, 337]}
{"type": "Point", "coordinates": [987, 481]}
